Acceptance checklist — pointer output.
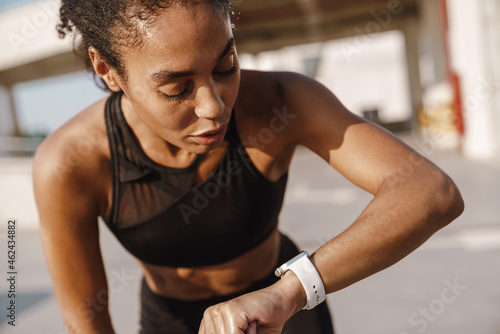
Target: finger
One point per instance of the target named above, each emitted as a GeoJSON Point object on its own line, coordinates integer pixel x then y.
{"type": "Point", "coordinates": [216, 322]}
{"type": "Point", "coordinates": [252, 328]}
{"type": "Point", "coordinates": [210, 323]}
{"type": "Point", "coordinates": [202, 327]}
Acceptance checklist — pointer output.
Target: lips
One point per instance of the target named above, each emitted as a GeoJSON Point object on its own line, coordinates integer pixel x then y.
{"type": "Point", "coordinates": [210, 137]}
{"type": "Point", "coordinates": [209, 133]}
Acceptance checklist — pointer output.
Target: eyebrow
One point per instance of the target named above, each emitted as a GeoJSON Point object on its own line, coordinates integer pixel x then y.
{"type": "Point", "coordinates": [170, 75]}
{"type": "Point", "coordinates": [229, 46]}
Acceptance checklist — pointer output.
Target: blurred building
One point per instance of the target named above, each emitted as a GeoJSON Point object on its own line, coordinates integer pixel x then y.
{"type": "Point", "coordinates": [425, 65]}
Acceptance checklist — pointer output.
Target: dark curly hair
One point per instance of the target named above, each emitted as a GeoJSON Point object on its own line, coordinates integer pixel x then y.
{"type": "Point", "coordinates": [108, 25]}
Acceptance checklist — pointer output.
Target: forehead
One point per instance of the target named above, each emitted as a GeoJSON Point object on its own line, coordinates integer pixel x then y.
{"type": "Point", "coordinates": [181, 36]}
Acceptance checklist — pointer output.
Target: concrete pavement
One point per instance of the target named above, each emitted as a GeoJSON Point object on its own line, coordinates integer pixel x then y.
{"type": "Point", "coordinates": [448, 286]}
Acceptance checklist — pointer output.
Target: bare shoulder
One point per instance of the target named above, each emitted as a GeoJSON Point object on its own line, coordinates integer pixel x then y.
{"type": "Point", "coordinates": [74, 157]}
{"type": "Point", "coordinates": [292, 98]}
{"type": "Point", "coordinates": [273, 86]}
{"type": "Point", "coordinates": [264, 102]}
{"type": "Point", "coordinates": [259, 89]}
{"type": "Point", "coordinates": [260, 92]}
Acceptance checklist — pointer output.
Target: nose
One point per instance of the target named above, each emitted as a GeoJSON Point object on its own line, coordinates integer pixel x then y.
{"type": "Point", "coordinates": [210, 104]}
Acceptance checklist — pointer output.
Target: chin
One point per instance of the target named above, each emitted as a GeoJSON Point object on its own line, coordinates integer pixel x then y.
{"type": "Point", "coordinates": [201, 149]}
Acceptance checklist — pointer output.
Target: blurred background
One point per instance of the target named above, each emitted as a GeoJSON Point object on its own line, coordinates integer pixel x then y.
{"type": "Point", "coordinates": [427, 70]}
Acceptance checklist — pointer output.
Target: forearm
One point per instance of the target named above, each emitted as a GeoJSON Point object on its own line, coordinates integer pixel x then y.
{"type": "Point", "coordinates": [83, 301]}
{"type": "Point", "coordinates": [83, 307]}
{"type": "Point", "coordinates": [78, 324]}
{"type": "Point", "coordinates": [79, 281]}
{"type": "Point", "coordinates": [402, 215]}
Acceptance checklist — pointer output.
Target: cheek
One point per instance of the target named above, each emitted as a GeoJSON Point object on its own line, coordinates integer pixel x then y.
{"type": "Point", "coordinates": [162, 118]}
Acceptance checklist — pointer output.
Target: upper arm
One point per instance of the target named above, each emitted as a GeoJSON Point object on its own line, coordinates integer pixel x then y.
{"type": "Point", "coordinates": [69, 230]}
{"type": "Point", "coordinates": [361, 151]}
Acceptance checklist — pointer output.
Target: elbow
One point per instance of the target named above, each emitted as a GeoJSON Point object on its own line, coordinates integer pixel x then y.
{"type": "Point", "coordinates": [445, 199]}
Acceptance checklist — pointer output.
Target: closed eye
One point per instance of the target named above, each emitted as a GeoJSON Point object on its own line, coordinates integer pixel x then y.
{"type": "Point", "coordinates": [226, 66]}
{"type": "Point", "coordinates": [177, 97]}
{"type": "Point", "coordinates": [228, 61]}
{"type": "Point", "coordinates": [231, 71]}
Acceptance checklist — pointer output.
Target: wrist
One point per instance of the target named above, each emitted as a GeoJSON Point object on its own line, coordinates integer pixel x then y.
{"type": "Point", "coordinates": [307, 274]}
{"type": "Point", "coordinates": [293, 290]}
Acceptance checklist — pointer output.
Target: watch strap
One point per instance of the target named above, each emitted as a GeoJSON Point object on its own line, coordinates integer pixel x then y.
{"type": "Point", "coordinates": [310, 279]}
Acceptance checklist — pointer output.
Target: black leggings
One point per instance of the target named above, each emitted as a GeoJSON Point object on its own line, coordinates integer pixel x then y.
{"type": "Point", "coordinates": [161, 315]}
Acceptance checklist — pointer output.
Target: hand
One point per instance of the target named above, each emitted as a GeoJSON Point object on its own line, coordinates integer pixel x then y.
{"type": "Point", "coordinates": [261, 312]}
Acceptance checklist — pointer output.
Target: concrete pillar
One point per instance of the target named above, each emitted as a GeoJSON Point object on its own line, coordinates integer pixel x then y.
{"type": "Point", "coordinates": [469, 51]}
{"type": "Point", "coordinates": [9, 125]}
{"type": "Point", "coordinates": [432, 59]}
{"type": "Point", "coordinates": [412, 59]}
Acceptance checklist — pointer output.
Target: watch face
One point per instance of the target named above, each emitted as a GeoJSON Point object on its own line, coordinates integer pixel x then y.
{"type": "Point", "coordinates": [284, 267]}
{"type": "Point", "coordinates": [301, 254]}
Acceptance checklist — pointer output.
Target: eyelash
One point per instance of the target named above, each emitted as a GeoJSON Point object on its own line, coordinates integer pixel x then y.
{"type": "Point", "coordinates": [177, 97]}
{"type": "Point", "coordinates": [230, 72]}
{"type": "Point", "coordinates": [186, 91]}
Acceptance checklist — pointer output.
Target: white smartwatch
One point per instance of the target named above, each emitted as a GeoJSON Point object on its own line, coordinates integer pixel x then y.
{"type": "Point", "coordinates": [308, 276]}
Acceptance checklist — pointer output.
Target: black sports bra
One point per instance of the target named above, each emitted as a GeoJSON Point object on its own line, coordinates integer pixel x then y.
{"type": "Point", "coordinates": [161, 218]}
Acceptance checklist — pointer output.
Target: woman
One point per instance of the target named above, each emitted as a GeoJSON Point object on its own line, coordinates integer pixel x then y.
{"type": "Point", "coordinates": [188, 167]}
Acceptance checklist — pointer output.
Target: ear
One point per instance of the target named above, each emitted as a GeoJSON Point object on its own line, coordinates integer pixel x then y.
{"type": "Point", "coordinates": [104, 71]}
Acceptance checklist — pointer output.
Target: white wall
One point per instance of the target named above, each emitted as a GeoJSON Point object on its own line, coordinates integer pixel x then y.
{"type": "Point", "coordinates": [474, 26]}
{"type": "Point", "coordinates": [376, 77]}
{"type": "Point", "coordinates": [366, 75]}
